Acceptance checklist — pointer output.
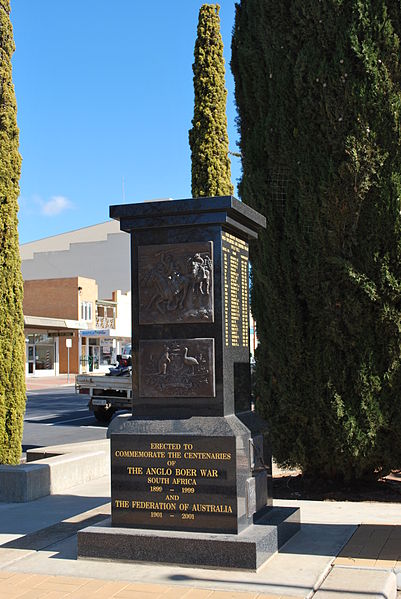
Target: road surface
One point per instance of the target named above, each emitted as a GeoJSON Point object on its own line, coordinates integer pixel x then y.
{"type": "Point", "coordinates": [58, 416]}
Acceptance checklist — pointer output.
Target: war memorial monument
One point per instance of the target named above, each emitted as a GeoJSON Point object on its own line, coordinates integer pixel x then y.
{"type": "Point", "coordinates": [191, 467]}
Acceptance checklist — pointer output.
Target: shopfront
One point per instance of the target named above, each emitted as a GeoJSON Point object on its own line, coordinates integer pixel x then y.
{"type": "Point", "coordinates": [45, 344]}
{"type": "Point", "coordinates": [99, 350]}
{"type": "Point", "coordinates": [41, 354]}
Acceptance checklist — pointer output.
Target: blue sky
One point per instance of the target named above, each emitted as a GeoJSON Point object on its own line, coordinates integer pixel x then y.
{"type": "Point", "coordinates": [105, 93]}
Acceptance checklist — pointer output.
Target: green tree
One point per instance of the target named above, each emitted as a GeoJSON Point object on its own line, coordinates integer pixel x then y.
{"type": "Point", "coordinates": [318, 90]}
{"type": "Point", "coordinates": [208, 139]}
{"type": "Point", "coordinates": [12, 383]}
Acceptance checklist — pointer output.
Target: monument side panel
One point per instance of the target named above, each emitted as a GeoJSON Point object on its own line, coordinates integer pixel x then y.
{"type": "Point", "coordinates": [177, 308]}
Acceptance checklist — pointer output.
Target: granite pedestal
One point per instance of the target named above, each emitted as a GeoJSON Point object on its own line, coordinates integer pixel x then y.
{"type": "Point", "coordinates": [245, 551]}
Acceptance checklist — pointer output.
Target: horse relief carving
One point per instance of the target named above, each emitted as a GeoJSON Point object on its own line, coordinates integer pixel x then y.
{"type": "Point", "coordinates": [175, 283]}
{"type": "Point", "coordinates": [177, 367]}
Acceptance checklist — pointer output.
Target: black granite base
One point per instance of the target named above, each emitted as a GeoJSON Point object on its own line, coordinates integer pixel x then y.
{"type": "Point", "coordinates": [241, 490]}
{"type": "Point", "coordinates": [245, 551]}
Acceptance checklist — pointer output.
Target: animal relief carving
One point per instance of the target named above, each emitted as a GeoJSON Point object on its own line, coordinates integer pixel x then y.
{"type": "Point", "coordinates": [177, 367]}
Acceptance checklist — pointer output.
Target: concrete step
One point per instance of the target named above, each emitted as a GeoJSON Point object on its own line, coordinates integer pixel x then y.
{"type": "Point", "coordinates": [54, 470]}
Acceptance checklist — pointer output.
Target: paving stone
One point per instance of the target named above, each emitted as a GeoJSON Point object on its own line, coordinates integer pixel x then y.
{"type": "Point", "coordinates": [58, 586]}
{"type": "Point", "coordinates": [56, 594]}
{"type": "Point", "coordinates": [33, 594]}
{"type": "Point", "coordinates": [134, 591]}
{"type": "Point", "coordinates": [5, 575]}
{"type": "Point", "coordinates": [199, 594]}
{"type": "Point", "coordinates": [110, 589]}
{"type": "Point", "coordinates": [233, 595]}
{"type": "Point", "coordinates": [358, 583]}
{"type": "Point", "coordinates": [94, 585]}
{"type": "Point", "coordinates": [177, 593]}
{"type": "Point", "coordinates": [136, 595]}
{"type": "Point", "coordinates": [146, 588]}
{"type": "Point", "coordinates": [11, 592]}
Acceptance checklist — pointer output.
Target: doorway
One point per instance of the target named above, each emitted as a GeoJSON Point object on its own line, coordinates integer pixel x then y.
{"type": "Point", "coordinates": [93, 357]}
{"type": "Point", "coordinates": [41, 357]}
{"type": "Point", "coordinates": [31, 358]}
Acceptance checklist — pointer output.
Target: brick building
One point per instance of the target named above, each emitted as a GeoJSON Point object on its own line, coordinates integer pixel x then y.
{"type": "Point", "coordinates": [69, 308]}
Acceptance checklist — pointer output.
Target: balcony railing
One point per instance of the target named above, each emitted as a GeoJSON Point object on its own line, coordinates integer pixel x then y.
{"type": "Point", "coordinates": [105, 322]}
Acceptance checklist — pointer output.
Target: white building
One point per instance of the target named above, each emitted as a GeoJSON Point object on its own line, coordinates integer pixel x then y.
{"type": "Point", "coordinates": [100, 252]}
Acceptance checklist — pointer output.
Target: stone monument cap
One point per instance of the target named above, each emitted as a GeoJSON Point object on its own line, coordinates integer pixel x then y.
{"type": "Point", "coordinates": [223, 210]}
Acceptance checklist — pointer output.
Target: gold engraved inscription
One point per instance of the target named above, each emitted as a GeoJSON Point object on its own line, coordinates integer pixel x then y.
{"type": "Point", "coordinates": [121, 503]}
{"type": "Point", "coordinates": [171, 479]}
{"type": "Point", "coordinates": [235, 282]}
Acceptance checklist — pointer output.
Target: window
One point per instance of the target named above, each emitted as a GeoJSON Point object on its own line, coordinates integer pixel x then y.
{"type": "Point", "coordinates": [41, 353]}
{"type": "Point", "coordinates": [86, 310]}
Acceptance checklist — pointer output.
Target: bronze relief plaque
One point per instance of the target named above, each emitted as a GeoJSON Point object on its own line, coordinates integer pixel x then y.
{"type": "Point", "coordinates": [175, 283]}
{"type": "Point", "coordinates": [177, 368]}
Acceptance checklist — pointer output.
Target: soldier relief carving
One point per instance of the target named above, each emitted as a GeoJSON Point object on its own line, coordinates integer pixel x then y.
{"type": "Point", "coordinates": [175, 283]}
{"type": "Point", "coordinates": [177, 367]}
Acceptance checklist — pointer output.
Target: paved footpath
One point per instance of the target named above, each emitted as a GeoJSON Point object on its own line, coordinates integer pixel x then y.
{"type": "Point", "coordinates": [359, 543]}
{"type": "Point", "coordinates": [343, 550]}
{"type": "Point", "coordinates": [40, 383]}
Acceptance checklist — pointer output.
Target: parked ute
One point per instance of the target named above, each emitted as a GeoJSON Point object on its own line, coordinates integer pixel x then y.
{"type": "Point", "coordinates": [107, 393]}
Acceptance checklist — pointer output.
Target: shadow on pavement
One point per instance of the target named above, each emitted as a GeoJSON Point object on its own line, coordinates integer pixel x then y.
{"type": "Point", "coordinates": [45, 537]}
{"type": "Point", "coordinates": [30, 518]}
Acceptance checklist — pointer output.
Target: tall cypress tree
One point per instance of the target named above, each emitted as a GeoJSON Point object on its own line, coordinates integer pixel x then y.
{"type": "Point", "coordinates": [12, 383]}
{"type": "Point", "coordinates": [208, 139]}
{"type": "Point", "coordinates": [318, 90]}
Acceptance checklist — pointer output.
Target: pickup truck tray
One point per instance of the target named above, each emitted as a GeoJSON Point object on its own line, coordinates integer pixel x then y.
{"type": "Point", "coordinates": [100, 381]}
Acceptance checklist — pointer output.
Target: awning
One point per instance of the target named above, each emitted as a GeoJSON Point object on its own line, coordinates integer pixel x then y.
{"type": "Point", "coordinates": [44, 322]}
